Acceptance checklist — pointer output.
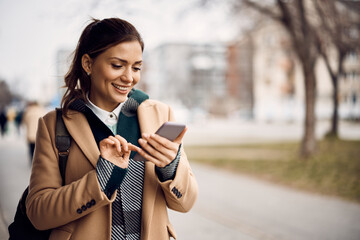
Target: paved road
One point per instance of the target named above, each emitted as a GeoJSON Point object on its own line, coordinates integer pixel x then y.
{"type": "Point", "coordinates": [233, 206]}
{"type": "Point", "coordinates": [230, 206]}
{"type": "Point", "coordinates": [14, 177]}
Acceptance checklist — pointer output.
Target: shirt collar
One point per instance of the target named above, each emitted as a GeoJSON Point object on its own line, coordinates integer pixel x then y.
{"type": "Point", "coordinates": [109, 118]}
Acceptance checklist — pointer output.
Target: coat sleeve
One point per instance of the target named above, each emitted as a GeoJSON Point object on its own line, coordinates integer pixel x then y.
{"type": "Point", "coordinates": [49, 204]}
{"type": "Point", "coordinates": [181, 192]}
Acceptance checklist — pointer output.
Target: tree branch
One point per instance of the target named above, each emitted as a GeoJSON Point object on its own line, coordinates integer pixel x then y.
{"type": "Point", "coordinates": [262, 10]}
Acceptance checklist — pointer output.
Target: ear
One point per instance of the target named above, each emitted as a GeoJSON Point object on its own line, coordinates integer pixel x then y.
{"type": "Point", "coordinates": [86, 63]}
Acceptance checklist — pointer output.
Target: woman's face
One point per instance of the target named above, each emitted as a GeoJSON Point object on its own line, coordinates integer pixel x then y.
{"type": "Point", "coordinates": [113, 74]}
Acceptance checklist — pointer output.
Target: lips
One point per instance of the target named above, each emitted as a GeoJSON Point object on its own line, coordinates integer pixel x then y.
{"type": "Point", "coordinates": [121, 88]}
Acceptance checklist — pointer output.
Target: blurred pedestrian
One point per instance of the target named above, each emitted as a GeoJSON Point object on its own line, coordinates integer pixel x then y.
{"type": "Point", "coordinates": [18, 120]}
{"type": "Point", "coordinates": [3, 121]}
{"type": "Point", "coordinates": [30, 120]}
{"type": "Point", "coordinates": [107, 195]}
{"type": "Point", "coordinates": [11, 114]}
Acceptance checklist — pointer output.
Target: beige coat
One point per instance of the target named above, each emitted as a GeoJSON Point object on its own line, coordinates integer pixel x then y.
{"type": "Point", "coordinates": [51, 205]}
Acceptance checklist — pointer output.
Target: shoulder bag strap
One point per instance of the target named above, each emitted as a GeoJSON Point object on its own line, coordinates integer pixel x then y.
{"type": "Point", "coordinates": [62, 142]}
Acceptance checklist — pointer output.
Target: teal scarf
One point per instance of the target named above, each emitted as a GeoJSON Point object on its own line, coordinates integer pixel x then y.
{"type": "Point", "coordinates": [128, 125]}
{"type": "Point", "coordinates": [127, 207]}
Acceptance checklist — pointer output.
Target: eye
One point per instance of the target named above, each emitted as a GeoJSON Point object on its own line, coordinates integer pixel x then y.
{"type": "Point", "coordinates": [136, 69]}
{"type": "Point", "coordinates": [116, 66]}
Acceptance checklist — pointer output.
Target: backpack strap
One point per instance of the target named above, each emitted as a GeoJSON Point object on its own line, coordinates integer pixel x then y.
{"type": "Point", "coordinates": [62, 142]}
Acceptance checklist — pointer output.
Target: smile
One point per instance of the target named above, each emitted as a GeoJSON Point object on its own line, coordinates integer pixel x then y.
{"type": "Point", "coordinates": [121, 88]}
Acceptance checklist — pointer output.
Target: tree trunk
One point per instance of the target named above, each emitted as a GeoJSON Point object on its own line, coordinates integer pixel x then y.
{"type": "Point", "coordinates": [308, 143]}
{"type": "Point", "coordinates": [333, 132]}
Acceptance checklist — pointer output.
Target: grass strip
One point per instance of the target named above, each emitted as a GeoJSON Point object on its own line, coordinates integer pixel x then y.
{"type": "Point", "coordinates": [333, 170]}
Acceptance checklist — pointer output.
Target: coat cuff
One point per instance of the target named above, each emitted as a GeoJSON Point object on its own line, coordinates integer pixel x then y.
{"type": "Point", "coordinates": [168, 172]}
{"type": "Point", "coordinates": [109, 176]}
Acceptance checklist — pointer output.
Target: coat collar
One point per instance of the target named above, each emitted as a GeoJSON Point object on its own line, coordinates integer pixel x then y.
{"type": "Point", "coordinates": [79, 129]}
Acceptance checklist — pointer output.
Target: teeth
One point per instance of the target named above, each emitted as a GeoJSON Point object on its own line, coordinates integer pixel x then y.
{"type": "Point", "coordinates": [120, 87]}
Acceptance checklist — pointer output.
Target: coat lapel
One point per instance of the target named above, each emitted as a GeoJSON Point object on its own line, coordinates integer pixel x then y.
{"type": "Point", "coordinates": [149, 121]}
{"type": "Point", "coordinates": [80, 131]}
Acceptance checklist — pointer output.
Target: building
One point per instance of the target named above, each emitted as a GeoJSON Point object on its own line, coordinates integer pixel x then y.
{"type": "Point", "coordinates": [188, 75]}
{"type": "Point", "coordinates": [278, 84]}
{"type": "Point", "coordinates": [239, 78]}
{"type": "Point", "coordinates": [349, 88]}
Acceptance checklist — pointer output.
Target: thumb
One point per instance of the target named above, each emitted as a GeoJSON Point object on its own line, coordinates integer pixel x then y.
{"type": "Point", "coordinates": [126, 155]}
{"type": "Point", "coordinates": [181, 135]}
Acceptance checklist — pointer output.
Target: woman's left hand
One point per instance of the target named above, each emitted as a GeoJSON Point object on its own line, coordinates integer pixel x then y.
{"type": "Point", "coordinates": [158, 150]}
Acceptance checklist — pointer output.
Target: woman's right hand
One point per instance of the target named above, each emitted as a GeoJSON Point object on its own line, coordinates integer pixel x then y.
{"type": "Point", "coordinates": [115, 150]}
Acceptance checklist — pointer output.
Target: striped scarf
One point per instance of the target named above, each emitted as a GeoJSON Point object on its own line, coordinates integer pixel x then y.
{"type": "Point", "coordinates": [127, 207]}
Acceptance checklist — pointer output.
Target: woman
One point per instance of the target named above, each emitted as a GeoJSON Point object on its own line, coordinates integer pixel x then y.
{"type": "Point", "coordinates": [106, 194]}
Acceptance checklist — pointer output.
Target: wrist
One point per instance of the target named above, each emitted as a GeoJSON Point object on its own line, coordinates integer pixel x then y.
{"type": "Point", "coordinates": [123, 163]}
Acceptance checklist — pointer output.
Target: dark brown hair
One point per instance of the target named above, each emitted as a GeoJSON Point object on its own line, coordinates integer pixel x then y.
{"type": "Point", "coordinates": [96, 38]}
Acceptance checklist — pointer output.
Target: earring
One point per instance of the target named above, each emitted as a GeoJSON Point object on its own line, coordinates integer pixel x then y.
{"type": "Point", "coordinates": [88, 73]}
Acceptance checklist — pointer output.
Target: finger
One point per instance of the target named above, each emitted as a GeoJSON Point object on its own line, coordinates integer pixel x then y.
{"type": "Point", "coordinates": [106, 141]}
{"type": "Point", "coordinates": [163, 146]}
{"type": "Point", "coordinates": [126, 155]}
{"type": "Point", "coordinates": [105, 144]}
{"type": "Point", "coordinates": [150, 150]}
{"type": "Point", "coordinates": [181, 135]}
{"type": "Point", "coordinates": [161, 140]}
{"type": "Point", "coordinates": [148, 157]}
{"type": "Point", "coordinates": [123, 142]}
{"type": "Point", "coordinates": [116, 143]}
{"type": "Point", "coordinates": [132, 147]}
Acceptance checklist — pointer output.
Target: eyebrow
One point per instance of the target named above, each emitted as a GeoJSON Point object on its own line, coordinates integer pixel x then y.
{"type": "Point", "coordinates": [124, 61]}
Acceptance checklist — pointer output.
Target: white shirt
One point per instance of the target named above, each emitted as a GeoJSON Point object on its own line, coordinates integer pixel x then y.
{"type": "Point", "coordinates": [108, 118]}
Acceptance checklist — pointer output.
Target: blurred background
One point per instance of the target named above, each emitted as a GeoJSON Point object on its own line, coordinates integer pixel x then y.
{"type": "Point", "coordinates": [270, 91]}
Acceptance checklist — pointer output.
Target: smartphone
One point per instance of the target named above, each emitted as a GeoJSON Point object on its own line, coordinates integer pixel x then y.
{"type": "Point", "coordinates": [169, 130]}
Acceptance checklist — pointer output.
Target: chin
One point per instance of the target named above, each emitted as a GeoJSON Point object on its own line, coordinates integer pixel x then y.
{"type": "Point", "coordinates": [121, 99]}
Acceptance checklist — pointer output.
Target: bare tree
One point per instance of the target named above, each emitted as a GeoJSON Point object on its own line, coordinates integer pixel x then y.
{"type": "Point", "coordinates": [339, 24]}
{"type": "Point", "coordinates": [294, 16]}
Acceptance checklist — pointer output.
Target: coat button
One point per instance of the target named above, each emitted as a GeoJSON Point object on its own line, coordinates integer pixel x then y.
{"type": "Point", "coordinates": [83, 207]}
{"type": "Point", "coordinates": [88, 205]}
{"type": "Point", "coordinates": [79, 211]}
{"type": "Point", "coordinates": [92, 202]}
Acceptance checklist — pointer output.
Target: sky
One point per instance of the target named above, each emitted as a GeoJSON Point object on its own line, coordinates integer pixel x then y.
{"type": "Point", "coordinates": [31, 32]}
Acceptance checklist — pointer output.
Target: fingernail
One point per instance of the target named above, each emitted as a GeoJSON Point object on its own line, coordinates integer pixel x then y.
{"type": "Point", "coordinates": [141, 141]}
{"type": "Point", "coordinates": [145, 135]}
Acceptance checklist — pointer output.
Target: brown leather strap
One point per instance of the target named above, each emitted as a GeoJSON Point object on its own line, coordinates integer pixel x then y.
{"type": "Point", "coordinates": [62, 142]}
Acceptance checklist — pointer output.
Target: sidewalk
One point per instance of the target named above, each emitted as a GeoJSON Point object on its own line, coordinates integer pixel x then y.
{"type": "Point", "coordinates": [3, 228]}
{"type": "Point", "coordinates": [232, 206]}
{"type": "Point", "coordinates": [14, 177]}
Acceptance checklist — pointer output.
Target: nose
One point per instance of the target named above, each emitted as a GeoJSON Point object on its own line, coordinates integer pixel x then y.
{"type": "Point", "coordinates": [126, 76]}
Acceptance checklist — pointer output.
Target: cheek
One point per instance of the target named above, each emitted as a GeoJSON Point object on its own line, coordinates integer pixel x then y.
{"type": "Point", "coordinates": [110, 74]}
{"type": "Point", "coordinates": [137, 77]}
{"type": "Point", "coordinates": [103, 76]}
